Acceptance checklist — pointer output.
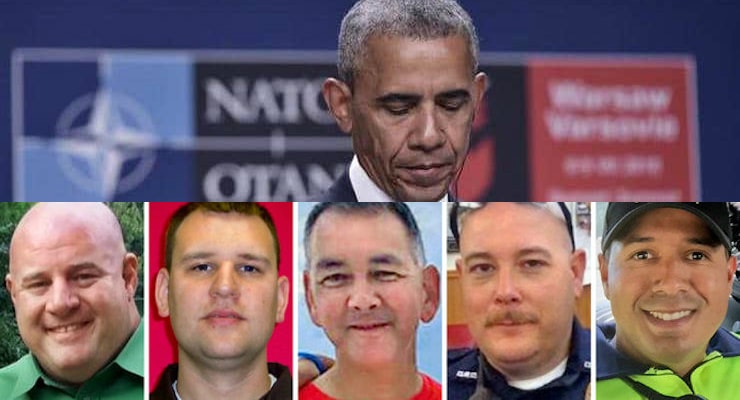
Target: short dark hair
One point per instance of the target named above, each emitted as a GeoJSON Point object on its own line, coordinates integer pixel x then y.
{"type": "Point", "coordinates": [247, 208]}
{"type": "Point", "coordinates": [398, 209]}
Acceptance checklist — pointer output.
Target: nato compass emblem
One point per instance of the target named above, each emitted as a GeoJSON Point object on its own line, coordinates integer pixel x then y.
{"type": "Point", "coordinates": [105, 143]}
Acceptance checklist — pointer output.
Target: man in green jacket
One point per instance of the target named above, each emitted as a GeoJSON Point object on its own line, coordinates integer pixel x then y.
{"type": "Point", "coordinates": [667, 269]}
{"type": "Point", "coordinates": [72, 284]}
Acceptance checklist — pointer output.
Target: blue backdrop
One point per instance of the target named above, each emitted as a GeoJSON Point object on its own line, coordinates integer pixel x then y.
{"type": "Point", "coordinates": [708, 30]}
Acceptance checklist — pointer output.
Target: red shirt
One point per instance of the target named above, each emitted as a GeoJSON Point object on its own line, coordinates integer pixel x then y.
{"type": "Point", "coordinates": [430, 390]}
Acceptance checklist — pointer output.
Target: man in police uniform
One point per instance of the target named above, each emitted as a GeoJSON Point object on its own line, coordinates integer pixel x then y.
{"type": "Point", "coordinates": [72, 283]}
{"type": "Point", "coordinates": [520, 274]}
{"type": "Point", "coordinates": [667, 270]}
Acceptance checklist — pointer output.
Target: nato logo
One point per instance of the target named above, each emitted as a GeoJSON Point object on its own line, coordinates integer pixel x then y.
{"type": "Point", "coordinates": [165, 125]}
{"type": "Point", "coordinates": [101, 125]}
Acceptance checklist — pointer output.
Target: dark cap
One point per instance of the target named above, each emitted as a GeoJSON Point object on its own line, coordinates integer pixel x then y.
{"type": "Point", "coordinates": [715, 215]}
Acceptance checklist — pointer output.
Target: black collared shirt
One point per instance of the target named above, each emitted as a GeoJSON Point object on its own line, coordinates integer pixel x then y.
{"type": "Point", "coordinates": [281, 390]}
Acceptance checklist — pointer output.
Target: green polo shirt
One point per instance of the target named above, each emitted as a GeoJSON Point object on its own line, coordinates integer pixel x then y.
{"type": "Point", "coordinates": [122, 379]}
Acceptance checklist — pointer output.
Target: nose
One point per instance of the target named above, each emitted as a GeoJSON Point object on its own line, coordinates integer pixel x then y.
{"type": "Point", "coordinates": [507, 290]}
{"type": "Point", "coordinates": [363, 296]}
{"type": "Point", "coordinates": [224, 283]}
{"type": "Point", "coordinates": [64, 299]}
{"type": "Point", "coordinates": [671, 277]}
{"type": "Point", "coordinates": [428, 133]}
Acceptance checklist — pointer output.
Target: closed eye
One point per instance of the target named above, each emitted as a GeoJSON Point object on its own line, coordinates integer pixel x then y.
{"type": "Point", "coordinates": [398, 104]}
{"type": "Point", "coordinates": [334, 280]}
{"type": "Point", "coordinates": [85, 279]}
{"type": "Point", "coordinates": [453, 104]}
{"type": "Point", "coordinates": [37, 284]}
{"type": "Point", "coordinates": [397, 108]}
{"type": "Point", "coordinates": [534, 263]}
{"type": "Point", "coordinates": [453, 100]}
{"type": "Point", "coordinates": [386, 276]}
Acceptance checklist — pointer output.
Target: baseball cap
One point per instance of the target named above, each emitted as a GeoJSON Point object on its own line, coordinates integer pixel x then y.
{"type": "Point", "coordinates": [715, 215]}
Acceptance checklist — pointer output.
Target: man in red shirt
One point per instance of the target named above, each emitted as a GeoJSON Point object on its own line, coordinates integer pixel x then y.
{"type": "Point", "coordinates": [367, 286]}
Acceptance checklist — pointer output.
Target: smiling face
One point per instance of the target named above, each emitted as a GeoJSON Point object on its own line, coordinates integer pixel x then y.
{"type": "Point", "coordinates": [668, 282]}
{"type": "Point", "coordinates": [410, 113]}
{"type": "Point", "coordinates": [222, 293]}
{"type": "Point", "coordinates": [519, 280]}
{"type": "Point", "coordinates": [72, 286]}
{"type": "Point", "coordinates": [365, 288]}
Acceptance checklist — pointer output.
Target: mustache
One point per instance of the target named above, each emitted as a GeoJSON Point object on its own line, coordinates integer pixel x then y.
{"type": "Point", "coordinates": [510, 317]}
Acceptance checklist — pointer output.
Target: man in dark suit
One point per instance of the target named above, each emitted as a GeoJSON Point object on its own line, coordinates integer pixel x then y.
{"type": "Point", "coordinates": [407, 93]}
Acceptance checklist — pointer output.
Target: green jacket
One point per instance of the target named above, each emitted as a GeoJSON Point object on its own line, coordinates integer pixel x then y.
{"type": "Point", "coordinates": [122, 379]}
{"type": "Point", "coordinates": [618, 377]}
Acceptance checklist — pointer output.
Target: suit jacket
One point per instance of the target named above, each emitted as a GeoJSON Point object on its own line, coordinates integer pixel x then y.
{"type": "Point", "coordinates": [341, 190]}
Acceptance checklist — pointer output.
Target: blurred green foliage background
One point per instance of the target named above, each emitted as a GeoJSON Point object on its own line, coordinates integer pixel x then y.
{"type": "Point", "coordinates": [131, 217]}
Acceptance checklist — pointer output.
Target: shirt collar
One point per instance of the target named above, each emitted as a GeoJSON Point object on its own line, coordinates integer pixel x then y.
{"type": "Point", "coordinates": [613, 363]}
{"type": "Point", "coordinates": [577, 365]}
{"type": "Point", "coordinates": [28, 373]}
{"type": "Point", "coordinates": [131, 358]}
{"type": "Point", "coordinates": [542, 380]}
{"type": "Point", "coordinates": [364, 187]}
{"type": "Point", "coordinates": [273, 379]}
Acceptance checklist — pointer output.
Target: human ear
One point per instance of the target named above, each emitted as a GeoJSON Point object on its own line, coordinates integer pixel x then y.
{"type": "Point", "coordinates": [161, 292]}
{"type": "Point", "coordinates": [480, 84]}
{"type": "Point", "coordinates": [731, 268]}
{"type": "Point", "coordinates": [578, 266]}
{"type": "Point", "coordinates": [310, 301]}
{"type": "Point", "coordinates": [282, 298]}
{"type": "Point", "coordinates": [604, 271]}
{"type": "Point", "coordinates": [338, 97]}
{"type": "Point", "coordinates": [430, 283]}
{"type": "Point", "coordinates": [9, 286]}
{"type": "Point", "coordinates": [130, 277]}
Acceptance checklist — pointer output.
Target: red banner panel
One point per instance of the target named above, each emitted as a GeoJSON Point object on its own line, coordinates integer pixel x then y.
{"type": "Point", "coordinates": [611, 129]}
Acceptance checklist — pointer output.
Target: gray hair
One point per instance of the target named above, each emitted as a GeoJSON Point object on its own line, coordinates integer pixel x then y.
{"type": "Point", "coordinates": [400, 210]}
{"type": "Point", "coordinates": [416, 19]}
